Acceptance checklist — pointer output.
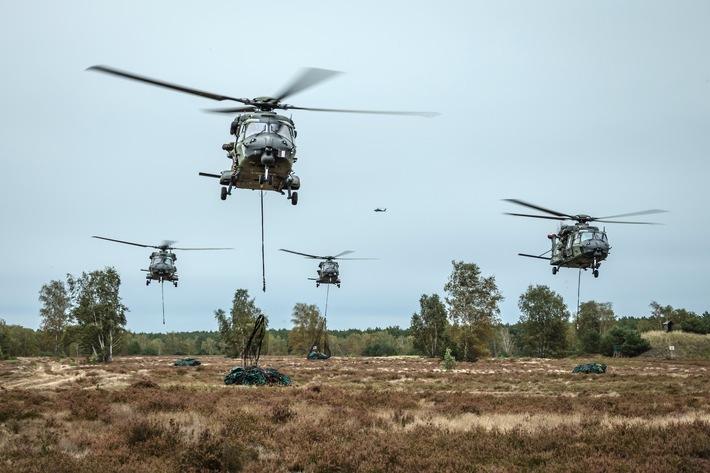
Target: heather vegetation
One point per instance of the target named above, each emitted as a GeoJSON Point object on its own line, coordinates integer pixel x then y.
{"type": "Point", "coordinates": [482, 395]}
{"type": "Point", "coordinates": [139, 414]}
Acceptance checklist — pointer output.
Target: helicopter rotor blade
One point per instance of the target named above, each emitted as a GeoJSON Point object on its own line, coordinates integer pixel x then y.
{"type": "Point", "coordinates": [307, 78]}
{"type": "Point", "coordinates": [167, 85]}
{"type": "Point", "coordinates": [303, 254]}
{"type": "Point", "coordinates": [230, 110]}
{"type": "Point", "coordinates": [200, 249]}
{"type": "Point", "coordinates": [625, 222]}
{"type": "Point", "coordinates": [126, 242]}
{"type": "Point", "coordinates": [643, 212]}
{"type": "Point", "coordinates": [536, 216]}
{"type": "Point", "coordinates": [342, 253]}
{"type": "Point", "coordinates": [371, 112]}
{"type": "Point", "coordinates": [537, 207]}
{"type": "Point", "coordinates": [353, 259]}
{"type": "Point", "coordinates": [167, 244]}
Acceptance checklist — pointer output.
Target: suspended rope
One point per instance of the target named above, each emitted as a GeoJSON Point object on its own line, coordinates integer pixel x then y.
{"type": "Point", "coordinates": [320, 340]}
{"type": "Point", "coordinates": [327, 293]}
{"type": "Point", "coordinates": [263, 262]}
{"type": "Point", "coordinates": [162, 296]}
{"type": "Point", "coordinates": [579, 283]}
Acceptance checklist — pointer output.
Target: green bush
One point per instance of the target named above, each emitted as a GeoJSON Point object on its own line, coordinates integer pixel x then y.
{"type": "Point", "coordinates": [631, 342]}
{"type": "Point", "coordinates": [695, 324]}
{"type": "Point", "coordinates": [380, 349]}
{"type": "Point", "coordinates": [449, 362]}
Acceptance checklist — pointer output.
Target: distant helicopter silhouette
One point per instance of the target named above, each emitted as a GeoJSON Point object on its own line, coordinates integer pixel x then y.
{"type": "Point", "coordinates": [381, 210]}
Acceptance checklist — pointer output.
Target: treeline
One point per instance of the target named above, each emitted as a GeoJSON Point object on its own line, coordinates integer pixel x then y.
{"type": "Point", "coordinates": [17, 341]}
{"type": "Point", "coordinates": [85, 316]}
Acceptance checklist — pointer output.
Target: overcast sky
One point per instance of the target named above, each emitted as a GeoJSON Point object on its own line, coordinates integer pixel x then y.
{"type": "Point", "coordinates": [596, 107]}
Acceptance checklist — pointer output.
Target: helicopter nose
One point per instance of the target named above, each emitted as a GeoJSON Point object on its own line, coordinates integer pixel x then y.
{"type": "Point", "coordinates": [267, 157]}
{"type": "Point", "coordinates": [596, 247]}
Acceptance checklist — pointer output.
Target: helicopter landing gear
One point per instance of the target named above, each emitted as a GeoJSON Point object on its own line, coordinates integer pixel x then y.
{"type": "Point", "coordinates": [338, 285]}
{"type": "Point", "coordinates": [555, 269]}
{"type": "Point", "coordinates": [266, 177]}
{"type": "Point", "coordinates": [595, 266]}
{"type": "Point", "coordinates": [294, 198]}
{"type": "Point", "coordinates": [223, 194]}
{"type": "Point", "coordinates": [317, 284]}
{"type": "Point", "coordinates": [175, 283]}
{"type": "Point", "coordinates": [147, 282]}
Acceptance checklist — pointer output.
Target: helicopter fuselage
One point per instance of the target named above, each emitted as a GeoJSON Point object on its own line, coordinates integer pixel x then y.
{"type": "Point", "coordinates": [162, 268]}
{"type": "Point", "coordinates": [263, 153]}
{"type": "Point", "coordinates": [579, 246]}
{"type": "Point", "coordinates": [328, 273]}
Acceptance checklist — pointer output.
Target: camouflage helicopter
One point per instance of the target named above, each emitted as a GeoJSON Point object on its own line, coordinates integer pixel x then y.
{"type": "Point", "coordinates": [263, 150]}
{"type": "Point", "coordinates": [580, 245]}
{"type": "Point", "coordinates": [162, 262]}
{"type": "Point", "coordinates": [328, 269]}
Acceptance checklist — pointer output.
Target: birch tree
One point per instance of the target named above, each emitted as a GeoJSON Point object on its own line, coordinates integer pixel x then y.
{"type": "Point", "coordinates": [98, 311]}
{"type": "Point", "coordinates": [55, 312]}
{"type": "Point", "coordinates": [472, 302]}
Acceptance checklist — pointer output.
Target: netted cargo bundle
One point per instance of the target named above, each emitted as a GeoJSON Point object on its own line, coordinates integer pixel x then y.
{"type": "Point", "coordinates": [187, 362]}
{"type": "Point", "coordinates": [256, 376]}
{"type": "Point", "coordinates": [590, 368]}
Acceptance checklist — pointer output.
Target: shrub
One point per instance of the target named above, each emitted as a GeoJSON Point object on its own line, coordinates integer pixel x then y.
{"type": "Point", "coordinates": [695, 324]}
{"type": "Point", "coordinates": [631, 342]}
{"type": "Point", "coordinates": [449, 362]}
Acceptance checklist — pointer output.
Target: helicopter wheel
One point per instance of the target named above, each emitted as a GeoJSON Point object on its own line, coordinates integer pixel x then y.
{"type": "Point", "coordinates": [223, 194]}
{"type": "Point", "coordinates": [554, 270]}
{"type": "Point", "coordinates": [595, 273]}
{"type": "Point", "coordinates": [294, 198]}
{"type": "Point", "coordinates": [147, 283]}
{"type": "Point", "coordinates": [262, 179]}
{"type": "Point", "coordinates": [270, 180]}
{"type": "Point", "coordinates": [175, 283]}
{"type": "Point", "coordinates": [338, 286]}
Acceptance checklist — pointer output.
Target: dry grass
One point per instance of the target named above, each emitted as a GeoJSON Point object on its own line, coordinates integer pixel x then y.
{"type": "Point", "coordinates": [691, 345]}
{"type": "Point", "coordinates": [141, 414]}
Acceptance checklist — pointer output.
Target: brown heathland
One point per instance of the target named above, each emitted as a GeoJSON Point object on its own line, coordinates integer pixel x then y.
{"type": "Point", "coordinates": [140, 414]}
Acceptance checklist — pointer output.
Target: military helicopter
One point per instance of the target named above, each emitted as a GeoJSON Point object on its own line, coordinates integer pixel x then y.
{"type": "Point", "coordinates": [580, 245]}
{"type": "Point", "coordinates": [263, 150]}
{"type": "Point", "coordinates": [162, 263]}
{"type": "Point", "coordinates": [328, 269]}
{"type": "Point", "coordinates": [380, 209]}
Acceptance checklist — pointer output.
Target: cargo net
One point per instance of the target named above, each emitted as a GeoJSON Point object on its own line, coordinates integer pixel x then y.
{"type": "Point", "coordinates": [256, 376]}
{"type": "Point", "coordinates": [595, 368]}
{"type": "Point", "coordinates": [250, 374]}
{"type": "Point", "coordinates": [320, 350]}
{"type": "Point", "coordinates": [187, 362]}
